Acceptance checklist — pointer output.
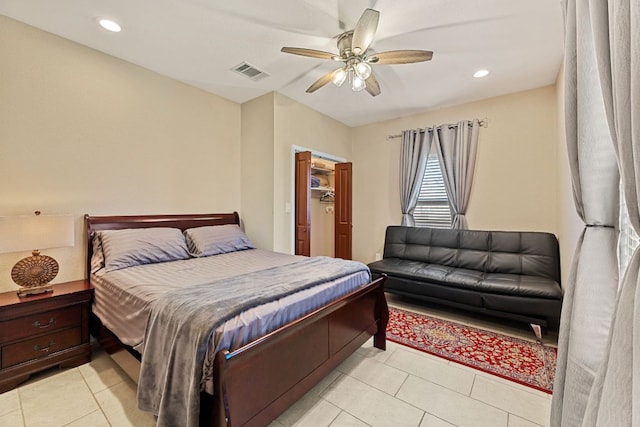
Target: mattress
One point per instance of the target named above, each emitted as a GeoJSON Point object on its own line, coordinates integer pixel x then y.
{"type": "Point", "coordinates": [123, 298]}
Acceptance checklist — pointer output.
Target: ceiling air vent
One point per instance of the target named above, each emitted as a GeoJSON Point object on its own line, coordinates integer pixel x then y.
{"type": "Point", "coordinates": [250, 71]}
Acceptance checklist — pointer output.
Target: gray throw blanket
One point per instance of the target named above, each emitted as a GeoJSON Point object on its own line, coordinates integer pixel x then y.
{"type": "Point", "coordinates": [181, 323]}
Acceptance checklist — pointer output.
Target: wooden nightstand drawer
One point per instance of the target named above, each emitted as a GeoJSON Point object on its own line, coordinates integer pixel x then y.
{"type": "Point", "coordinates": [43, 331]}
{"type": "Point", "coordinates": [40, 347]}
{"type": "Point", "coordinates": [40, 323]}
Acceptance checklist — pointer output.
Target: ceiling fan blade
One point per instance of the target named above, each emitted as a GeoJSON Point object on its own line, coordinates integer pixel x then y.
{"type": "Point", "coordinates": [372, 86]}
{"type": "Point", "coordinates": [320, 82]}
{"type": "Point", "coordinates": [364, 31]}
{"type": "Point", "coordinates": [401, 57]}
{"type": "Point", "coordinates": [308, 52]}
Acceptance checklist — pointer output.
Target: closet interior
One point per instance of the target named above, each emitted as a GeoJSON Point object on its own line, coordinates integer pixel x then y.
{"type": "Point", "coordinates": [322, 207]}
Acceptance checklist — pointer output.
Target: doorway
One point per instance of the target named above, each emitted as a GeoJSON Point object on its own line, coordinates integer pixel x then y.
{"type": "Point", "coordinates": [322, 211]}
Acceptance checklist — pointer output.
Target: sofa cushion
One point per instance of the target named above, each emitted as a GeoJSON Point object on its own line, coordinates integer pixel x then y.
{"type": "Point", "coordinates": [428, 290]}
{"type": "Point", "coordinates": [521, 285]}
{"type": "Point", "coordinates": [497, 283]}
{"type": "Point", "coordinates": [417, 270]}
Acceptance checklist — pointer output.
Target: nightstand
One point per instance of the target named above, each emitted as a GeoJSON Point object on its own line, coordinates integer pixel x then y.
{"type": "Point", "coordinates": [42, 331]}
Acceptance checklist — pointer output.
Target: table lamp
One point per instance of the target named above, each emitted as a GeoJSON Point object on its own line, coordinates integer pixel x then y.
{"type": "Point", "coordinates": [35, 232]}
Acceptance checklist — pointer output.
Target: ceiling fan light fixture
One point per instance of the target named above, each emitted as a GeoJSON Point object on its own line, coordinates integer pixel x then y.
{"type": "Point", "coordinates": [339, 76]}
{"type": "Point", "coordinates": [357, 83]}
{"type": "Point", "coordinates": [353, 47]}
{"type": "Point", "coordinates": [363, 70]}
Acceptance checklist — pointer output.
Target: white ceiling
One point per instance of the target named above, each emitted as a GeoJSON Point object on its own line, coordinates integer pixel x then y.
{"type": "Point", "coordinates": [199, 41]}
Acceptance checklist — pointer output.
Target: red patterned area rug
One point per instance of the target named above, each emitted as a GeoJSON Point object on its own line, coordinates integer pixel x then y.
{"type": "Point", "coordinates": [530, 363]}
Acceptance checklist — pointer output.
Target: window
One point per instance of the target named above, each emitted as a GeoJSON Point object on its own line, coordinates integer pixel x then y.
{"type": "Point", "coordinates": [628, 240]}
{"type": "Point", "coordinates": [433, 208]}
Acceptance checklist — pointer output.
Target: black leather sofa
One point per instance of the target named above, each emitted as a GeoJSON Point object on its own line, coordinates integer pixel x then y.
{"type": "Point", "coordinates": [514, 275]}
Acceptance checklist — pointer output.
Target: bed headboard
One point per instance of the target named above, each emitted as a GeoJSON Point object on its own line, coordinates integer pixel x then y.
{"type": "Point", "coordinates": [183, 222]}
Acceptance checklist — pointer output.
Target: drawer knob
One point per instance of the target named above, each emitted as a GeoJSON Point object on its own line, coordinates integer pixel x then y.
{"type": "Point", "coordinates": [37, 323]}
{"type": "Point", "coordinates": [44, 349]}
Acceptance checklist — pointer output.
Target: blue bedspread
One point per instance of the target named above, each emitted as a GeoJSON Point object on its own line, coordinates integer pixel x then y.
{"type": "Point", "coordinates": [182, 322]}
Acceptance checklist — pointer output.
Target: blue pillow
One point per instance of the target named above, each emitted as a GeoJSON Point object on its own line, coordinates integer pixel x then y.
{"type": "Point", "coordinates": [137, 246]}
{"type": "Point", "coordinates": [216, 239]}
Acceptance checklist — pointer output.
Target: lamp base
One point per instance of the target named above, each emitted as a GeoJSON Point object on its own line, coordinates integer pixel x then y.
{"type": "Point", "coordinates": [24, 292]}
{"type": "Point", "coordinates": [34, 272]}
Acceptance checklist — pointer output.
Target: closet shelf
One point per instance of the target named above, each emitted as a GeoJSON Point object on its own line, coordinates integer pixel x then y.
{"type": "Point", "coordinates": [321, 171]}
{"type": "Point", "coordinates": [325, 189]}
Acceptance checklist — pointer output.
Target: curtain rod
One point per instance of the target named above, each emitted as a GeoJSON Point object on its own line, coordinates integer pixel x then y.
{"type": "Point", "coordinates": [483, 123]}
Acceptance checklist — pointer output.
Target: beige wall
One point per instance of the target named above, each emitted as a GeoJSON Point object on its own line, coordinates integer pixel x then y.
{"type": "Point", "coordinates": [272, 126]}
{"type": "Point", "coordinates": [83, 132]}
{"type": "Point", "coordinates": [515, 183]}
{"type": "Point", "coordinates": [257, 165]}
{"type": "Point", "coordinates": [298, 125]}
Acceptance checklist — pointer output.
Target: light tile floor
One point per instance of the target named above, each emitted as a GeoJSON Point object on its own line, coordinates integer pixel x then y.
{"type": "Point", "coordinates": [398, 387]}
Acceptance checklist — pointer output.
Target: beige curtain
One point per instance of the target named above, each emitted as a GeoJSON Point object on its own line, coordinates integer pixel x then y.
{"type": "Point", "coordinates": [456, 147]}
{"type": "Point", "coordinates": [591, 288]}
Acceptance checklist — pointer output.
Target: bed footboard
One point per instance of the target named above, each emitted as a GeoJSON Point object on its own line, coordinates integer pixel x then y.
{"type": "Point", "coordinates": [259, 381]}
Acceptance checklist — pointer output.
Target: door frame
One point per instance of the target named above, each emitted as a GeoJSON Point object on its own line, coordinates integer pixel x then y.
{"type": "Point", "coordinates": [292, 191]}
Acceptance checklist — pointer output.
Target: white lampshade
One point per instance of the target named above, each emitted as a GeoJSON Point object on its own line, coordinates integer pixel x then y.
{"type": "Point", "coordinates": [31, 232]}
{"type": "Point", "coordinates": [363, 70]}
{"type": "Point", "coordinates": [357, 84]}
{"type": "Point", "coordinates": [339, 76]}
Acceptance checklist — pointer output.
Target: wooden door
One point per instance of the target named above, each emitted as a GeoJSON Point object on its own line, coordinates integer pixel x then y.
{"type": "Point", "coordinates": [343, 222]}
{"type": "Point", "coordinates": [303, 203]}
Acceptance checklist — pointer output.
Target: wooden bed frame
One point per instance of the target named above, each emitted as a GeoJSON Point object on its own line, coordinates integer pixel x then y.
{"type": "Point", "coordinates": [257, 382]}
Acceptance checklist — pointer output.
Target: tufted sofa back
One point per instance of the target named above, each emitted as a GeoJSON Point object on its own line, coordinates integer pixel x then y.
{"type": "Point", "coordinates": [510, 252]}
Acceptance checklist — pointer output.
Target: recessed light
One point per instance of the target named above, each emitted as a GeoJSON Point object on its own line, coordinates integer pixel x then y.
{"type": "Point", "coordinates": [110, 25]}
{"type": "Point", "coordinates": [480, 74]}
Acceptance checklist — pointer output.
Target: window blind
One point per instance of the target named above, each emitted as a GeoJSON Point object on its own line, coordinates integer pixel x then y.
{"type": "Point", "coordinates": [433, 208]}
{"type": "Point", "coordinates": [628, 239]}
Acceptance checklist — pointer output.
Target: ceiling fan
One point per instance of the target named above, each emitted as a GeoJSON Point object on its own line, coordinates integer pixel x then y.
{"type": "Point", "coordinates": [356, 56]}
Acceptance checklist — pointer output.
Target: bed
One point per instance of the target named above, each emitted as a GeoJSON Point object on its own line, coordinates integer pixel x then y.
{"type": "Point", "coordinates": [254, 379]}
